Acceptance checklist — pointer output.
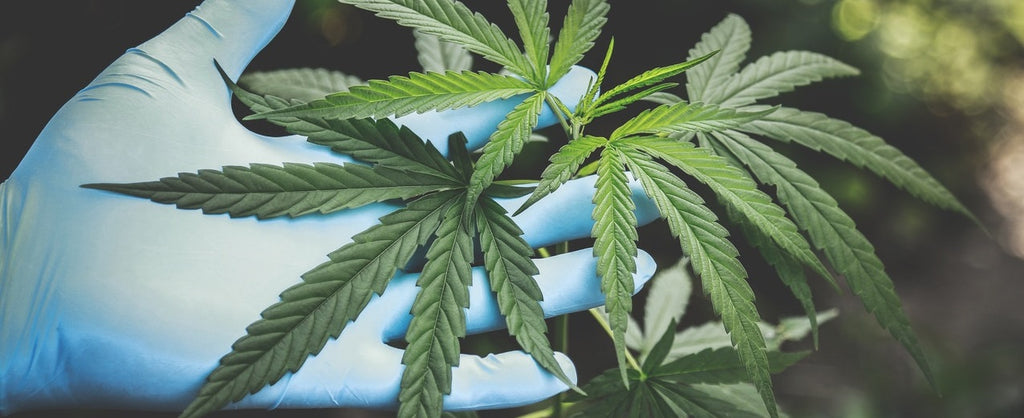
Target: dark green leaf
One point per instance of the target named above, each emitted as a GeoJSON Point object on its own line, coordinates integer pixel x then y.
{"type": "Point", "coordinates": [510, 271]}
{"type": "Point", "coordinates": [719, 366]}
{"type": "Point", "coordinates": [268, 191]}
{"type": "Point", "coordinates": [832, 230]}
{"type": "Point", "coordinates": [398, 95]}
{"type": "Point", "coordinates": [451, 21]}
{"type": "Point", "coordinates": [438, 317]}
{"type": "Point", "coordinates": [330, 296]}
{"type": "Point", "coordinates": [847, 142]}
{"type": "Point", "coordinates": [737, 190]}
{"type": "Point", "coordinates": [615, 238]}
{"type": "Point", "coordinates": [660, 350]}
{"type": "Point", "coordinates": [501, 190]}
{"type": "Point", "coordinates": [715, 260]}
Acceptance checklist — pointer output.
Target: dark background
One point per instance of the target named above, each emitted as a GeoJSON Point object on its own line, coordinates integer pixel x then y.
{"type": "Point", "coordinates": [942, 80]}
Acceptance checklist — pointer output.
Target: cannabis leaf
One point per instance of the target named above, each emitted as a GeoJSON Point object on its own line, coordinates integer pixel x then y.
{"type": "Point", "coordinates": [268, 191]}
{"type": "Point", "coordinates": [453, 22]}
{"type": "Point", "coordinates": [330, 296]}
{"type": "Point", "coordinates": [439, 56]}
{"type": "Point", "coordinates": [581, 26]}
{"type": "Point", "coordinates": [676, 387]}
{"type": "Point", "coordinates": [615, 245]}
{"type": "Point", "coordinates": [438, 319]}
{"type": "Point", "coordinates": [418, 92]}
{"type": "Point", "coordinates": [304, 84]}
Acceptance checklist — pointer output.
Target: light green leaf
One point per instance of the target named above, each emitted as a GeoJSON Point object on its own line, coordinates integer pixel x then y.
{"type": "Point", "coordinates": [439, 56]}
{"type": "Point", "coordinates": [510, 271]}
{"type": "Point", "coordinates": [398, 95]}
{"type": "Point", "coordinates": [847, 142]}
{"type": "Point", "coordinates": [714, 258]}
{"type": "Point", "coordinates": [438, 317]}
{"type": "Point", "coordinates": [736, 190]}
{"type": "Point", "coordinates": [505, 143]}
{"type": "Point", "coordinates": [304, 84]}
{"type": "Point", "coordinates": [778, 73]}
{"type": "Point", "coordinates": [832, 230]}
{"type": "Point", "coordinates": [685, 118]}
{"type": "Point", "coordinates": [615, 238]}
{"type": "Point", "coordinates": [268, 191]}
{"type": "Point", "coordinates": [667, 298]}
{"type": "Point", "coordinates": [564, 164]}
{"type": "Point", "coordinates": [581, 26]}
{"type": "Point", "coordinates": [531, 17]}
{"type": "Point", "coordinates": [451, 21]}
{"type": "Point", "coordinates": [712, 334]}
{"type": "Point", "coordinates": [330, 296]}
{"type": "Point", "coordinates": [649, 78]}
{"type": "Point", "coordinates": [732, 37]}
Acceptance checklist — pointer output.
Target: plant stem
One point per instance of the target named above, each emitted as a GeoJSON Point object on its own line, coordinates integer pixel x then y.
{"type": "Point", "coordinates": [608, 329]}
{"type": "Point", "coordinates": [558, 112]}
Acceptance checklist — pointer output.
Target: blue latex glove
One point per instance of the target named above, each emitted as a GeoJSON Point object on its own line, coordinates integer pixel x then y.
{"type": "Point", "coordinates": [117, 302]}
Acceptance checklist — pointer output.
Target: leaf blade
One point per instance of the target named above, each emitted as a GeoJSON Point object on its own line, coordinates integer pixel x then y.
{"type": "Point", "coordinates": [438, 317]}
{"type": "Point", "coordinates": [564, 164]}
{"type": "Point", "coordinates": [302, 84]}
{"type": "Point", "coordinates": [505, 144]}
{"type": "Point", "coordinates": [615, 238]}
{"type": "Point", "coordinates": [580, 28]}
{"type": "Point", "coordinates": [401, 95]}
{"type": "Point", "coordinates": [857, 146]}
{"type": "Point", "coordinates": [716, 261]}
{"type": "Point", "coordinates": [778, 73]}
{"type": "Point", "coordinates": [531, 17]}
{"type": "Point", "coordinates": [510, 271]}
{"type": "Point", "coordinates": [438, 56]}
{"type": "Point", "coordinates": [738, 191]}
{"type": "Point", "coordinates": [731, 36]}
{"type": "Point", "coordinates": [685, 118]}
{"type": "Point", "coordinates": [451, 21]}
{"type": "Point", "coordinates": [319, 308]}
{"type": "Point", "coordinates": [836, 234]}
{"type": "Point", "coordinates": [267, 191]}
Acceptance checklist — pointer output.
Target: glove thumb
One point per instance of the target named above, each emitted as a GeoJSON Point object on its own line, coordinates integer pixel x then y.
{"type": "Point", "coordinates": [229, 31]}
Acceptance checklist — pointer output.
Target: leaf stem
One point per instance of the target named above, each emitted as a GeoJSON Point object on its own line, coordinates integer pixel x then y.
{"type": "Point", "coordinates": [557, 110]}
{"type": "Point", "coordinates": [599, 317]}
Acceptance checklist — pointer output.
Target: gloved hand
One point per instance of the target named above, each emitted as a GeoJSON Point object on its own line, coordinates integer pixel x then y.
{"type": "Point", "coordinates": [116, 302]}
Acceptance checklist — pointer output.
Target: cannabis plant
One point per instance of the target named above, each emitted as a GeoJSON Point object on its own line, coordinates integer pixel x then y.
{"type": "Point", "coordinates": [714, 136]}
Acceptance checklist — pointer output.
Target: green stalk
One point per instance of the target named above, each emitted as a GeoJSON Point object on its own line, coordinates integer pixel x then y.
{"type": "Point", "coordinates": [608, 329]}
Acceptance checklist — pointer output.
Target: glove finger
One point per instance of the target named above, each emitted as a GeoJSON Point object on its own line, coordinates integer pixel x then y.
{"type": "Point", "coordinates": [229, 31]}
{"type": "Point", "coordinates": [568, 282]}
{"type": "Point", "coordinates": [504, 380]}
{"type": "Point", "coordinates": [479, 122]}
{"type": "Point", "coordinates": [373, 381]}
{"type": "Point", "coordinates": [567, 213]}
